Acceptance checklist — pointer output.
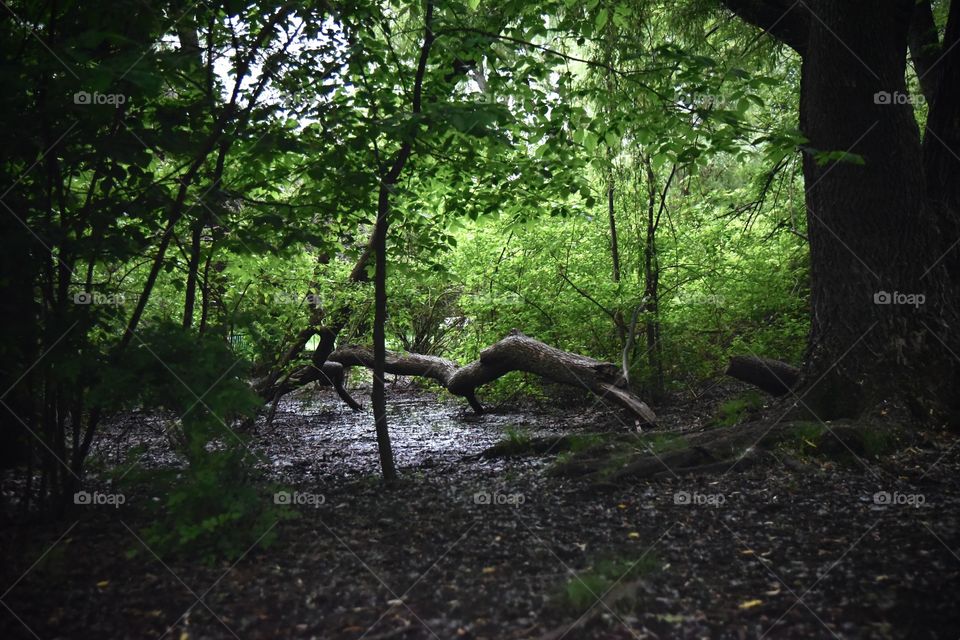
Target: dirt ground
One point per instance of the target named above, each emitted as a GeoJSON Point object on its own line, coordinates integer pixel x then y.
{"type": "Point", "coordinates": [473, 548]}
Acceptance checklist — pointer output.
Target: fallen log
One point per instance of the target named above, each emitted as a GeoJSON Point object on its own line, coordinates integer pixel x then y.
{"type": "Point", "coordinates": [518, 352]}
{"type": "Point", "coordinates": [515, 352]}
{"type": "Point", "coordinates": [773, 376]}
{"type": "Point", "coordinates": [413, 364]}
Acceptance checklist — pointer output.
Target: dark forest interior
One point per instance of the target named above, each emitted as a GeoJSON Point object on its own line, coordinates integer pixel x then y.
{"type": "Point", "coordinates": [480, 319]}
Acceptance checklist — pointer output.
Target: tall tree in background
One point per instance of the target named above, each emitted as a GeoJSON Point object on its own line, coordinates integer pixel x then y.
{"type": "Point", "coordinates": [882, 204]}
{"type": "Point", "coordinates": [387, 183]}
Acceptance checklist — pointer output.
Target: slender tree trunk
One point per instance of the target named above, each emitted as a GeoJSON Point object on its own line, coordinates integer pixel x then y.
{"type": "Point", "coordinates": [387, 182]}
{"type": "Point", "coordinates": [615, 250]}
{"type": "Point", "coordinates": [612, 216]}
{"type": "Point", "coordinates": [651, 280]}
{"type": "Point", "coordinates": [193, 268]}
{"type": "Point", "coordinates": [378, 397]}
{"type": "Point", "coordinates": [190, 47]}
{"type": "Point", "coordinates": [205, 293]}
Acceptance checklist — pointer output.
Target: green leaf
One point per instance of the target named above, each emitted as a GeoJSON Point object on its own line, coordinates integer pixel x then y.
{"type": "Point", "coordinates": [590, 141]}
{"type": "Point", "coordinates": [601, 20]}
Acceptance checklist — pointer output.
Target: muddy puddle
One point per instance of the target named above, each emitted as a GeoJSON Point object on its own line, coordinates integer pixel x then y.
{"type": "Point", "coordinates": [314, 435]}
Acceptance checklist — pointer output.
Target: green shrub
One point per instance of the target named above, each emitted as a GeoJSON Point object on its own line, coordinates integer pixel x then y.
{"type": "Point", "coordinates": [516, 436]}
{"type": "Point", "coordinates": [213, 508]}
{"type": "Point", "coordinates": [583, 590]}
{"type": "Point", "coordinates": [734, 411]}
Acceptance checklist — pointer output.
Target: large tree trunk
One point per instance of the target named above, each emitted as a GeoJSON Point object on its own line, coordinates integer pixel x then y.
{"type": "Point", "coordinates": [516, 352]}
{"type": "Point", "coordinates": [941, 143]}
{"type": "Point", "coordinates": [875, 236]}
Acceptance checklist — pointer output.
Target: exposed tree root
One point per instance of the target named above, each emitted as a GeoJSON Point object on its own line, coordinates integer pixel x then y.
{"type": "Point", "coordinates": [552, 445]}
{"type": "Point", "coordinates": [612, 459]}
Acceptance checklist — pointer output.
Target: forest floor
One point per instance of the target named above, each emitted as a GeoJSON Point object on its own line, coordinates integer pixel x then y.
{"type": "Point", "coordinates": [467, 547]}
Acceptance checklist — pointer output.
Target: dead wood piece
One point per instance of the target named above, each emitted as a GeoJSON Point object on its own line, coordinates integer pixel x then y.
{"type": "Point", "coordinates": [773, 376]}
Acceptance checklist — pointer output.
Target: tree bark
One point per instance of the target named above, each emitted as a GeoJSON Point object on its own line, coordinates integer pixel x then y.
{"type": "Point", "coordinates": [871, 228]}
